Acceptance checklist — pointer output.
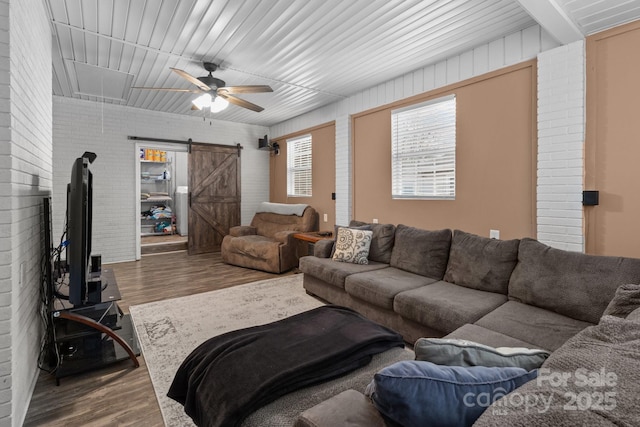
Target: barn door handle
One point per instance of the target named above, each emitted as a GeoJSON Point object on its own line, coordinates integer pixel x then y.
{"type": "Point", "coordinates": [189, 198]}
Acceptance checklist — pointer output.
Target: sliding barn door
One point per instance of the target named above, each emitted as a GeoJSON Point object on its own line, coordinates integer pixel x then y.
{"type": "Point", "coordinates": [214, 195]}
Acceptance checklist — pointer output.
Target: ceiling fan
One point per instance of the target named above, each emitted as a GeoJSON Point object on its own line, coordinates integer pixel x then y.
{"type": "Point", "coordinates": [215, 94]}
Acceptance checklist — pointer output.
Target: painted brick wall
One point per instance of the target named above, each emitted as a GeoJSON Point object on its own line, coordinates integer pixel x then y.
{"type": "Point", "coordinates": [25, 178]}
{"type": "Point", "coordinates": [517, 47]}
{"type": "Point", "coordinates": [561, 133]}
{"type": "Point", "coordinates": [80, 126]}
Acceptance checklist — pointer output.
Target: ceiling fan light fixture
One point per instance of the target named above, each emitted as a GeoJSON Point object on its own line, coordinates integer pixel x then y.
{"type": "Point", "coordinates": [202, 101]}
{"type": "Point", "coordinates": [219, 104]}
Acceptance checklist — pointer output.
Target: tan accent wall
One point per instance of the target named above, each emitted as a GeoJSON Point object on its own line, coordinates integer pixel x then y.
{"type": "Point", "coordinates": [612, 149]}
{"type": "Point", "coordinates": [323, 140]}
{"type": "Point", "coordinates": [495, 159]}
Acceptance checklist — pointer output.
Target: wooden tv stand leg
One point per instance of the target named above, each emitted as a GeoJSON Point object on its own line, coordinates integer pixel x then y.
{"type": "Point", "coordinates": [100, 327]}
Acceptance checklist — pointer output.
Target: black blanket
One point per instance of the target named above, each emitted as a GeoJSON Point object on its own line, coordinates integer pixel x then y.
{"type": "Point", "coordinates": [228, 377]}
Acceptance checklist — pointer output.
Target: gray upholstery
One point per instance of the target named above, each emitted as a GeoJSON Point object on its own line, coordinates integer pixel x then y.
{"type": "Point", "coordinates": [480, 262]}
{"type": "Point", "coordinates": [322, 248]}
{"type": "Point", "coordinates": [421, 251]}
{"type": "Point", "coordinates": [542, 328]}
{"type": "Point", "coordinates": [634, 316]}
{"type": "Point", "coordinates": [570, 283]}
{"type": "Point", "coordinates": [381, 242]}
{"type": "Point", "coordinates": [349, 408]}
{"type": "Point", "coordinates": [625, 301]}
{"type": "Point", "coordinates": [471, 332]}
{"type": "Point", "coordinates": [444, 306]}
{"type": "Point", "coordinates": [613, 346]}
{"type": "Point", "coordinates": [380, 287]}
{"type": "Point", "coordinates": [334, 272]}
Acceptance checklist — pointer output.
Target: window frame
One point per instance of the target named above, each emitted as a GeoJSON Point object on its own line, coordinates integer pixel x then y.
{"type": "Point", "coordinates": [435, 159]}
{"type": "Point", "coordinates": [306, 166]}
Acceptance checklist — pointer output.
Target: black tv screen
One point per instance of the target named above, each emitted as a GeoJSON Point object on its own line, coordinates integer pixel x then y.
{"type": "Point", "coordinates": [79, 205]}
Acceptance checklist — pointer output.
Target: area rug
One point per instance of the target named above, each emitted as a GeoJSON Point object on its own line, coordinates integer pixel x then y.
{"type": "Point", "coordinates": [169, 330]}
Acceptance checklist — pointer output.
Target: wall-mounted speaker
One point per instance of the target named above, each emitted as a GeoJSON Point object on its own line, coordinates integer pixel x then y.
{"type": "Point", "coordinates": [263, 143]}
{"type": "Point", "coordinates": [590, 198]}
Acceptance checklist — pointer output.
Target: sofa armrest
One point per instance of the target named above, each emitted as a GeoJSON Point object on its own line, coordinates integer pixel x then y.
{"type": "Point", "coordinates": [322, 248]}
{"type": "Point", "coordinates": [285, 236]}
{"type": "Point", "coordinates": [349, 408]}
{"type": "Point", "coordinates": [242, 230]}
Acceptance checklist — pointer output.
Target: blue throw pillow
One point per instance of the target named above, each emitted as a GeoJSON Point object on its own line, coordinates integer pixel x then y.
{"type": "Point", "coordinates": [416, 393]}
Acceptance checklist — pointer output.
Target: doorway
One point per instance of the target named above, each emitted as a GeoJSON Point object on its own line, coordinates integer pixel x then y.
{"type": "Point", "coordinates": [161, 198]}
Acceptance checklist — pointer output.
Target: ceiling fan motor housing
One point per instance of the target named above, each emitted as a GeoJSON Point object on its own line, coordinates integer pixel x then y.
{"type": "Point", "coordinates": [212, 82]}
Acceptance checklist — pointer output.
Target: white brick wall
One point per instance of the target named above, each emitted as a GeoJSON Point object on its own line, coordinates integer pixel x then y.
{"type": "Point", "coordinates": [80, 126]}
{"type": "Point", "coordinates": [25, 178]}
{"type": "Point", "coordinates": [561, 132]}
{"type": "Point", "coordinates": [512, 49]}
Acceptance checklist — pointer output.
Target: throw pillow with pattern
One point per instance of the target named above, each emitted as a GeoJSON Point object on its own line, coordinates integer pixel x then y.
{"type": "Point", "coordinates": [352, 246]}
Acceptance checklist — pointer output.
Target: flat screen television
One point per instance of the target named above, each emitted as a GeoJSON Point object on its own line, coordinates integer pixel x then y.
{"type": "Point", "coordinates": [79, 215]}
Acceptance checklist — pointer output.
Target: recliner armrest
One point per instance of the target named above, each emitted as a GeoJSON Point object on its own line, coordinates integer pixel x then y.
{"type": "Point", "coordinates": [242, 230]}
{"type": "Point", "coordinates": [285, 236]}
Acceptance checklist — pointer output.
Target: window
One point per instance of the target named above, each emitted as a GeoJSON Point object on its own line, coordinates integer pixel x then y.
{"type": "Point", "coordinates": [423, 150]}
{"type": "Point", "coordinates": [299, 166]}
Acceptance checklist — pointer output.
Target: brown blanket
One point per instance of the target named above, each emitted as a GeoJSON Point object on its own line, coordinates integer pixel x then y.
{"type": "Point", "coordinates": [229, 376]}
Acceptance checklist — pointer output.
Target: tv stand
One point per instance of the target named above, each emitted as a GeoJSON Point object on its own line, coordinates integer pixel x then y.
{"type": "Point", "coordinates": [92, 336]}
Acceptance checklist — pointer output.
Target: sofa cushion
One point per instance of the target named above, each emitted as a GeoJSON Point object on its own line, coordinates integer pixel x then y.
{"type": "Point", "coordinates": [457, 352]}
{"type": "Point", "coordinates": [334, 272]}
{"type": "Point", "coordinates": [444, 306]}
{"type": "Point", "coordinates": [381, 242]}
{"type": "Point", "coordinates": [352, 246]}
{"type": "Point", "coordinates": [337, 227]}
{"type": "Point", "coordinates": [486, 336]}
{"type": "Point", "coordinates": [542, 328]}
{"type": "Point", "coordinates": [380, 287]}
{"type": "Point", "coordinates": [422, 252]}
{"type": "Point", "coordinates": [415, 393]}
{"type": "Point", "coordinates": [480, 262]}
{"type": "Point", "coordinates": [625, 301]}
{"type": "Point", "coordinates": [570, 283]}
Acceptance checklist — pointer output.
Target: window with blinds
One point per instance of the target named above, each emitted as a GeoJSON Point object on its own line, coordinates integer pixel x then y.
{"type": "Point", "coordinates": [423, 150]}
{"type": "Point", "coordinates": [299, 166]}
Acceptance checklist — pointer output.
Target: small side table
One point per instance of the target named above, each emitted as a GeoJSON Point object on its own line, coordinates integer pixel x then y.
{"type": "Point", "coordinates": [311, 238]}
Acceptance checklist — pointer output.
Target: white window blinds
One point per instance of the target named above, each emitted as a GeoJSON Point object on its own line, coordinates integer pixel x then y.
{"type": "Point", "coordinates": [299, 166]}
{"type": "Point", "coordinates": [423, 150]}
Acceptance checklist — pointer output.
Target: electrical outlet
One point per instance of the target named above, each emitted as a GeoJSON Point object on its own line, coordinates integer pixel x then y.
{"type": "Point", "coordinates": [494, 234]}
{"type": "Point", "coordinates": [375, 220]}
{"type": "Point", "coordinates": [326, 218]}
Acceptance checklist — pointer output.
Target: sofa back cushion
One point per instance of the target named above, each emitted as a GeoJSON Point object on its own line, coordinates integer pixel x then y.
{"type": "Point", "coordinates": [480, 262]}
{"type": "Point", "coordinates": [421, 252]}
{"type": "Point", "coordinates": [574, 284]}
{"type": "Point", "coordinates": [381, 242]}
{"type": "Point", "coordinates": [269, 223]}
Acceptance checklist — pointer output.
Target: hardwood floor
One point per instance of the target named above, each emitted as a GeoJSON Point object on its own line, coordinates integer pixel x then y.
{"type": "Point", "coordinates": [121, 395]}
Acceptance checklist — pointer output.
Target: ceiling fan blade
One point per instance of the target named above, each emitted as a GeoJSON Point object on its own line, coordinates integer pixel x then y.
{"type": "Point", "coordinates": [240, 102]}
{"type": "Point", "coordinates": [167, 89]}
{"type": "Point", "coordinates": [247, 89]}
{"type": "Point", "coordinates": [191, 79]}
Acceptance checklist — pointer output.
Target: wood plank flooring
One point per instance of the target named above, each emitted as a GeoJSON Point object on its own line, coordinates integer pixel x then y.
{"type": "Point", "coordinates": [121, 395]}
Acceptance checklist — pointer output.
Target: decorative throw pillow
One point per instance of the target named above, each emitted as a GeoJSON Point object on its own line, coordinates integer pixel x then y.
{"type": "Point", "coordinates": [454, 352]}
{"type": "Point", "coordinates": [337, 227]}
{"type": "Point", "coordinates": [415, 393]}
{"type": "Point", "coordinates": [352, 246]}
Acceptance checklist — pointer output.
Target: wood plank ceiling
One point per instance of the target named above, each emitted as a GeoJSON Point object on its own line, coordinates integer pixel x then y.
{"type": "Point", "coordinates": [311, 52]}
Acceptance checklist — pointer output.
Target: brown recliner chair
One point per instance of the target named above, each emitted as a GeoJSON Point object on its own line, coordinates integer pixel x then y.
{"type": "Point", "coordinates": [268, 243]}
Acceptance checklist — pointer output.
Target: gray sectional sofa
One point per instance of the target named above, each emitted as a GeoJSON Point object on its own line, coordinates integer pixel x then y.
{"type": "Point", "coordinates": [516, 293]}
{"type": "Point", "coordinates": [511, 293]}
